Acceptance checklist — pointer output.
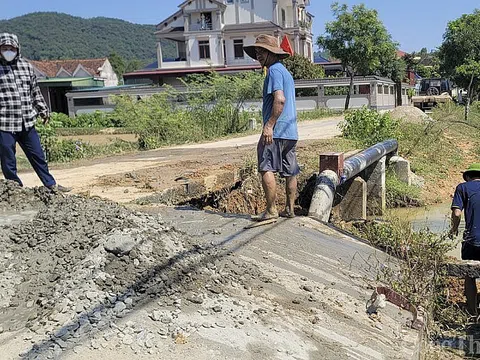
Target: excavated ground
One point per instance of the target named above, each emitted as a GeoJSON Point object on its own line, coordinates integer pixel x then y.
{"type": "Point", "coordinates": [70, 266]}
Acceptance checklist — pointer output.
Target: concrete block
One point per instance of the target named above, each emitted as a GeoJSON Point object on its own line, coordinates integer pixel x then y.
{"type": "Point", "coordinates": [333, 162]}
{"type": "Point", "coordinates": [401, 167]}
{"type": "Point", "coordinates": [376, 188]}
{"type": "Point", "coordinates": [252, 124]}
{"type": "Point", "coordinates": [352, 203]}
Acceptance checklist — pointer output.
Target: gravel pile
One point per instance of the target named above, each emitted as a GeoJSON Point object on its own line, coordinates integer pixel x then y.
{"type": "Point", "coordinates": [79, 264]}
{"type": "Point", "coordinates": [410, 114]}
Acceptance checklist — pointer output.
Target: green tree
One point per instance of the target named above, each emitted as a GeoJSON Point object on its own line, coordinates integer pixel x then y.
{"type": "Point", "coordinates": [460, 54]}
{"type": "Point", "coordinates": [118, 64]}
{"type": "Point", "coordinates": [359, 39]}
{"type": "Point", "coordinates": [50, 35]}
{"type": "Point", "coordinates": [393, 67]}
{"type": "Point", "coordinates": [132, 65]}
{"type": "Point", "coordinates": [302, 68]}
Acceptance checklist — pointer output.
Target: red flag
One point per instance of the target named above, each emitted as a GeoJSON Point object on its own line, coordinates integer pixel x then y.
{"type": "Point", "coordinates": [286, 45]}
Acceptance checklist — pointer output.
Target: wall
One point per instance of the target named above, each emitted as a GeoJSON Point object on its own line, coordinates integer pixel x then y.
{"type": "Point", "coordinates": [107, 73]}
{"type": "Point", "coordinates": [216, 57]}
{"type": "Point", "coordinates": [248, 39]}
{"type": "Point", "coordinates": [229, 15]}
{"type": "Point", "coordinates": [246, 12]}
{"type": "Point", "coordinates": [200, 5]}
{"type": "Point", "coordinates": [263, 11]}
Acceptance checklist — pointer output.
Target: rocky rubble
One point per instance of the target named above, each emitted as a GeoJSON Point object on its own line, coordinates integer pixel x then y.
{"type": "Point", "coordinates": [80, 265]}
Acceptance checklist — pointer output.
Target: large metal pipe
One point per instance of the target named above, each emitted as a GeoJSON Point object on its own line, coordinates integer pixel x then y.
{"type": "Point", "coordinates": [356, 164]}
{"type": "Point", "coordinates": [327, 181]}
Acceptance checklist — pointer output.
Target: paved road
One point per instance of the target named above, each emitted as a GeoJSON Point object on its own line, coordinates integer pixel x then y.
{"type": "Point", "coordinates": [308, 130]}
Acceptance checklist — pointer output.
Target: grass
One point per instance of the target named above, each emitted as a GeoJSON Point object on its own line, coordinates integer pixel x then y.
{"type": "Point", "coordinates": [317, 114]}
{"type": "Point", "coordinates": [116, 147]}
{"type": "Point", "coordinates": [400, 194]}
{"type": "Point", "coordinates": [92, 131]}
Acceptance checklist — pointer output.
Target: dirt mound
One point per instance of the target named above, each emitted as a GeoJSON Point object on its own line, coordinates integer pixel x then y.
{"type": "Point", "coordinates": [410, 114]}
{"type": "Point", "coordinates": [79, 263]}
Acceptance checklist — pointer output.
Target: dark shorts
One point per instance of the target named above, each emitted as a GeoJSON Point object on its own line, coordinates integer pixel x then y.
{"type": "Point", "coordinates": [470, 251]}
{"type": "Point", "coordinates": [278, 157]}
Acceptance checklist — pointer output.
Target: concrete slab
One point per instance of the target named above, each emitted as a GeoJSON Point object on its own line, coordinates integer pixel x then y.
{"type": "Point", "coordinates": [322, 281]}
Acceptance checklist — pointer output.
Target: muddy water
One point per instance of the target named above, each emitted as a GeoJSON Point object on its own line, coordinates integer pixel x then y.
{"type": "Point", "coordinates": [434, 218]}
{"type": "Point", "coordinates": [15, 217]}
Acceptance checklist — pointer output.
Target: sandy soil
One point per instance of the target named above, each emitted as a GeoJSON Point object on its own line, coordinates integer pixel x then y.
{"type": "Point", "coordinates": [125, 178]}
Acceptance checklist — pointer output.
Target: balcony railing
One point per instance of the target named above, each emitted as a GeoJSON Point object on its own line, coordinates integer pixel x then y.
{"type": "Point", "coordinates": [305, 25]}
{"type": "Point", "coordinates": [247, 60]}
{"type": "Point", "coordinates": [201, 27]}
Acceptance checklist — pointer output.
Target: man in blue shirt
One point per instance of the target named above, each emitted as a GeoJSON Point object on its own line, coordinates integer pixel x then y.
{"type": "Point", "coordinates": [467, 199]}
{"type": "Point", "coordinates": [276, 148]}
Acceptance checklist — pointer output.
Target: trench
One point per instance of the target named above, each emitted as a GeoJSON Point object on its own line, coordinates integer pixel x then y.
{"type": "Point", "coordinates": [246, 197]}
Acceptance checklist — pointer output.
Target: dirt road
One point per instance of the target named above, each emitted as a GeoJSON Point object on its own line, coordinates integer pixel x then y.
{"type": "Point", "coordinates": [158, 169]}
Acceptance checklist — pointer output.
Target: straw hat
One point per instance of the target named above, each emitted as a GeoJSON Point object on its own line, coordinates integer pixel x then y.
{"type": "Point", "coordinates": [267, 42]}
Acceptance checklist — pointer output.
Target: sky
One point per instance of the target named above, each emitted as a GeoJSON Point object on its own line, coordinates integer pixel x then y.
{"type": "Point", "coordinates": [414, 24]}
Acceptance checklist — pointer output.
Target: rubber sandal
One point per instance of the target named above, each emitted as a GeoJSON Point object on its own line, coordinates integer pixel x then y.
{"type": "Point", "coordinates": [264, 216]}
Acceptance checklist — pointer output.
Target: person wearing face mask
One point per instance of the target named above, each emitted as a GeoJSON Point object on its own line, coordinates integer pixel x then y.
{"type": "Point", "coordinates": [276, 149]}
{"type": "Point", "coordinates": [21, 102]}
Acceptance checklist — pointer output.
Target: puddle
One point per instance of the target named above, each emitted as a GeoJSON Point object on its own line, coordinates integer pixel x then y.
{"type": "Point", "coordinates": [8, 218]}
{"type": "Point", "coordinates": [434, 218]}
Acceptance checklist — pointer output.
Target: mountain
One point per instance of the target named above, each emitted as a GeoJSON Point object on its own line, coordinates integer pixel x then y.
{"type": "Point", "coordinates": [50, 35]}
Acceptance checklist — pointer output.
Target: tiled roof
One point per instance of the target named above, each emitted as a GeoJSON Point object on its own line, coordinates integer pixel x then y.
{"type": "Point", "coordinates": [51, 67]}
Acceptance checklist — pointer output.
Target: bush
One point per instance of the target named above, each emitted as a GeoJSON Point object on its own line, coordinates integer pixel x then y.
{"type": "Point", "coordinates": [367, 127]}
{"type": "Point", "coordinates": [59, 150]}
{"type": "Point", "coordinates": [98, 119]}
{"type": "Point", "coordinates": [419, 277]}
{"type": "Point", "coordinates": [212, 106]}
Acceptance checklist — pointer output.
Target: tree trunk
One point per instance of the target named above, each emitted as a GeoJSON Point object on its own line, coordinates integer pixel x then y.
{"type": "Point", "coordinates": [350, 91]}
{"type": "Point", "coordinates": [398, 93]}
{"type": "Point", "coordinates": [469, 99]}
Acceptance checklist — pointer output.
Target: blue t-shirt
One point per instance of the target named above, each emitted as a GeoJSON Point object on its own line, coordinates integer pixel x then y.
{"type": "Point", "coordinates": [467, 198]}
{"type": "Point", "coordinates": [278, 78]}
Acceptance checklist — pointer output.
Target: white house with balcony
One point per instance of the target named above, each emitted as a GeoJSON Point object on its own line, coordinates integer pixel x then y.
{"type": "Point", "coordinates": [210, 34]}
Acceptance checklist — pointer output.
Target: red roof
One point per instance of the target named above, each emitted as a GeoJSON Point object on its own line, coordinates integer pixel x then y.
{"type": "Point", "coordinates": [51, 67]}
{"type": "Point", "coordinates": [401, 53]}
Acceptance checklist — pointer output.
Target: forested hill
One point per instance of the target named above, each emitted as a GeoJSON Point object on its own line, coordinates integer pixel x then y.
{"type": "Point", "coordinates": [49, 35]}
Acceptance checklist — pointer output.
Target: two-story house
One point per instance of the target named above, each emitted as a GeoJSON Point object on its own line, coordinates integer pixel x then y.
{"type": "Point", "coordinates": [210, 34]}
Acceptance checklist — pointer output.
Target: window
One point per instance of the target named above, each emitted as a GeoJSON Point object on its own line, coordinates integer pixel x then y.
{"type": "Point", "coordinates": [380, 89]}
{"type": "Point", "coordinates": [238, 49]}
{"type": "Point", "coordinates": [230, 1]}
{"type": "Point", "coordinates": [88, 101]}
{"type": "Point", "coordinates": [245, 1]}
{"type": "Point", "coordinates": [204, 48]}
{"type": "Point", "coordinates": [391, 90]}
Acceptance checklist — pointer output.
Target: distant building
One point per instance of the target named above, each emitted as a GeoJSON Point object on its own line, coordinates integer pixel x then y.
{"type": "Point", "coordinates": [57, 77]}
{"type": "Point", "coordinates": [331, 67]}
{"type": "Point", "coordinates": [210, 34]}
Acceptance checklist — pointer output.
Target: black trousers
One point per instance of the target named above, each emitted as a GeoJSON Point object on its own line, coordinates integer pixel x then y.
{"type": "Point", "coordinates": [29, 140]}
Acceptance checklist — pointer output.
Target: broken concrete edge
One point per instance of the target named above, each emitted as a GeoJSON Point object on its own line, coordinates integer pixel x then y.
{"type": "Point", "coordinates": [191, 189]}
{"type": "Point", "coordinates": [463, 269]}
